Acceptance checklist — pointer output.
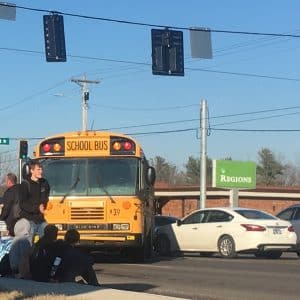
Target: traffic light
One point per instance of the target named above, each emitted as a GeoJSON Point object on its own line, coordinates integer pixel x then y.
{"type": "Point", "coordinates": [86, 96]}
{"type": "Point", "coordinates": [4, 141]}
{"type": "Point", "coordinates": [54, 38]}
{"type": "Point", "coordinates": [167, 52]}
{"type": "Point", "coordinates": [23, 149]}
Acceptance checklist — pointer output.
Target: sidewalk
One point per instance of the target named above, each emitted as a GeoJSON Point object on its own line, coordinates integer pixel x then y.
{"type": "Point", "coordinates": [74, 290]}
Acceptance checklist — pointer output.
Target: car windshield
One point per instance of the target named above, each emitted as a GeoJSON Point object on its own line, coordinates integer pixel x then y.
{"type": "Point", "coordinates": [254, 214]}
{"type": "Point", "coordinates": [92, 177]}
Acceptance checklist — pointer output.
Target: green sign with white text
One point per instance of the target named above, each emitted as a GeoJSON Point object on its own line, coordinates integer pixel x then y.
{"type": "Point", "coordinates": [234, 174]}
{"type": "Point", "coordinates": [4, 141]}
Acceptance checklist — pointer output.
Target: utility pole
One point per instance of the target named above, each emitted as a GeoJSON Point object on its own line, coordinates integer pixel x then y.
{"type": "Point", "coordinates": [85, 97]}
{"type": "Point", "coordinates": [203, 156]}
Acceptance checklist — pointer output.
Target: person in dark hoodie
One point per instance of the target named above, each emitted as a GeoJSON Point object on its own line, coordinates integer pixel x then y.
{"type": "Point", "coordinates": [34, 196]}
{"type": "Point", "coordinates": [9, 198]}
{"type": "Point", "coordinates": [74, 262]}
{"type": "Point", "coordinates": [43, 254]}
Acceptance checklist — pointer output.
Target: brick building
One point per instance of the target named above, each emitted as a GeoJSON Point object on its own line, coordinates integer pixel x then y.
{"type": "Point", "coordinates": [181, 200]}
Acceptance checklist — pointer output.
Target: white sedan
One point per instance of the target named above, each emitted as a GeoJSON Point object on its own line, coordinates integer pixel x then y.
{"type": "Point", "coordinates": [228, 231]}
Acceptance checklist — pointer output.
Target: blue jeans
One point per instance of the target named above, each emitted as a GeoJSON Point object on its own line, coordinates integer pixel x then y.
{"type": "Point", "coordinates": [29, 229]}
{"type": "Point", "coordinates": [36, 229]}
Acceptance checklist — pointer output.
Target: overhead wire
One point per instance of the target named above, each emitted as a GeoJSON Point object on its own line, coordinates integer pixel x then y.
{"type": "Point", "coordinates": [256, 119]}
{"type": "Point", "coordinates": [146, 64]}
{"type": "Point", "coordinates": [122, 108]}
{"type": "Point", "coordinates": [147, 24]}
{"type": "Point", "coordinates": [30, 97]}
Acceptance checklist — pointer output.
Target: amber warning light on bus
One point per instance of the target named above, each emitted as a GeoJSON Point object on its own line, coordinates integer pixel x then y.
{"type": "Point", "coordinates": [52, 147]}
{"type": "Point", "coordinates": [122, 146]}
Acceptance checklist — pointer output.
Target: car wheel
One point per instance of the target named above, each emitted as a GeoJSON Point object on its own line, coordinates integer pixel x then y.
{"type": "Point", "coordinates": [226, 246]}
{"type": "Point", "coordinates": [273, 254]}
{"type": "Point", "coordinates": [163, 246]}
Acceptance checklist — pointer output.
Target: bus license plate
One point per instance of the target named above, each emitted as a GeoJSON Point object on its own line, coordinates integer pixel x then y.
{"type": "Point", "coordinates": [276, 231]}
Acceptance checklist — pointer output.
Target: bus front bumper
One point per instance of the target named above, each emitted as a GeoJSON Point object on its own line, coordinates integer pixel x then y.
{"type": "Point", "coordinates": [108, 240]}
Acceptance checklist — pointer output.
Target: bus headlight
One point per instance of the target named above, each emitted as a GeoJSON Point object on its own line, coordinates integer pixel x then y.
{"type": "Point", "coordinates": [59, 226]}
{"type": "Point", "coordinates": [121, 226]}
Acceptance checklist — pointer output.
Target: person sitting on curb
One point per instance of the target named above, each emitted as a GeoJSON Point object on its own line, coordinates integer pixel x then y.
{"type": "Point", "coordinates": [20, 247]}
{"type": "Point", "coordinates": [74, 262]}
{"type": "Point", "coordinates": [43, 255]}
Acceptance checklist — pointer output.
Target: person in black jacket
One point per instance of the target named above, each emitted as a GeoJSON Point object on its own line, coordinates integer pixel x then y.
{"type": "Point", "coordinates": [75, 263]}
{"type": "Point", "coordinates": [34, 198]}
{"type": "Point", "coordinates": [43, 254]}
{"type": "Point", "coordinates": [9, 197]}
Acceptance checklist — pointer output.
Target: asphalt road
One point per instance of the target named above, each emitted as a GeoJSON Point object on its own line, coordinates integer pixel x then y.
{"type": "Point", "coordinates": [196, 277]}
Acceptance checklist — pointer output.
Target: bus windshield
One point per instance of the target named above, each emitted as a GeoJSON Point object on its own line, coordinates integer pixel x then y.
{"type": "Point", "coordinates": [92, 176]}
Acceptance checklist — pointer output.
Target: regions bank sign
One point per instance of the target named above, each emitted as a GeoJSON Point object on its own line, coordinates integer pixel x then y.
{"type": "Point", "coordinates": [234, 174]}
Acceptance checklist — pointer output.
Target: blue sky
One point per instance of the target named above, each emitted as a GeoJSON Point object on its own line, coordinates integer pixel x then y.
{"type": "Point", "coordinates": [38, 98]}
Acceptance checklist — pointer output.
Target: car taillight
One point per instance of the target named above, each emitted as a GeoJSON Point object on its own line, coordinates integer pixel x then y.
{"type": "Point", "coordinates": [252, 227]}
{"type": "Point", "coordinates": [291, 229]}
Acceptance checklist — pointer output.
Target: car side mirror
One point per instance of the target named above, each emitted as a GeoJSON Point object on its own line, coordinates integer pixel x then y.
{"type": "Point", "coordinates": [179, 222]}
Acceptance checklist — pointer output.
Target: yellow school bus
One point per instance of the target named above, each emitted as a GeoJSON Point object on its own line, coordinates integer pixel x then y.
{"type": "Point", "coordinates": [101, 185]}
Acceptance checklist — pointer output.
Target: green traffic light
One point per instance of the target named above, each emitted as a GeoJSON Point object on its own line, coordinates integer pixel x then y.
{"type": "Point", "coordinates": [4, 141]}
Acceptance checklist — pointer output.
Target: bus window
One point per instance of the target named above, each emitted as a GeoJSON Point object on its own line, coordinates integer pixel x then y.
{"type": "Point", "coordinates": [92, 177]}
{"type": "Point", "coordinates": [65, 176]}
{"type": "Point", "coordinates": [112, 176]}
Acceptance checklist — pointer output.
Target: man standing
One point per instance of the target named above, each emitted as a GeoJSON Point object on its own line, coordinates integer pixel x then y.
{"type": "Point", "coordinates": [34, 198]}
{"type": "Point", "coordinates": [10, 196]}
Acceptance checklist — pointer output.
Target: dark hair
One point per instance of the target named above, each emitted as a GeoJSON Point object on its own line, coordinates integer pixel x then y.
{"type": "Point", "coordinates": [33, 163]}
{"type": "Point", "coordinates": [72, 236]}
{"type": "Point", "coordinates": [12, 177]}
{"type": "Point", "coordinates": [50, 232]}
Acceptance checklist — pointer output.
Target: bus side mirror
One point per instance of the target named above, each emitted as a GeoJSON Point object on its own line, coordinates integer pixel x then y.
{"type": "Point", "coordinates": [150, 176]}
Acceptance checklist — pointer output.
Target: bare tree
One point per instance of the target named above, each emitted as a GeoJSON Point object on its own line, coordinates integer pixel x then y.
{"type": "Point", "coordinates": [193, 171]}
{"type": "Point", "coordinates": [166, 171]}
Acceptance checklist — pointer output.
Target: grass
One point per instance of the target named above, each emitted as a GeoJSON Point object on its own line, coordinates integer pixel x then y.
{"type": "Point", "coordinates": [16, 295]}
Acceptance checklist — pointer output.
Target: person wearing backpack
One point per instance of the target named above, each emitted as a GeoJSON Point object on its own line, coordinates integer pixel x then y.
{"type": "Point", "coordinates": [43, 254]}
{"type": "Point", "coordinates": [10, 213]}
{"type": "Point", "coordinates": [34, 197]}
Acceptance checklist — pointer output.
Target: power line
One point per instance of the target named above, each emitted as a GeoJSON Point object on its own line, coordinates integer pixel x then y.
{"type": "Point", "coordinates": [256, 119]}
{"type": "Point", "coordinates": [148, 64]}
{"type": "Point", "coordinates": [244, 74]}
{"type": "Point", "coordinates": [162, 132]}
{"type": "Point", "coordinates": [256, 112]}
{"type": "Point", "coordinates": [151, 124]}
{"type": "Point", "coordinates": [213, 117]}
{"type": "Point", "coordinates": [28, 98]}
{"type": "Point", "coordinates": [146, 109]}
{"type": "Point", "coordinates": [256, 130]}
{"type": "Point", "coordinates": [147, 133]}
{"type": "Point", "coordinates": [149, 24]}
